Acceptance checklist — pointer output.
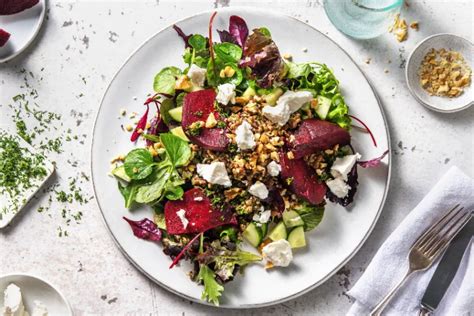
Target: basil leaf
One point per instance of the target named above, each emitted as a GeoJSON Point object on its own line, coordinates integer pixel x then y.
{"type": "Point", "coordinates": [228, 52]}
{"type": "Point", "coordinates": [153, 191]}
{"type": "Point", "coordinates": [128, 192]}
{"type": "Point", "coordinates": [165, 106]}
{"type": "Point", "coordinates": [165, 80]}
{"type": "Point", "coordinates": [177, 149]}
{"type": "Point", "coordinates": [311, 215]}
{"type": "Point", "coordinates": [138, 164]}
{"type": "Point", "coordinates": [173, 192]}
{"type": "Point", "coordinates": [198, 42]}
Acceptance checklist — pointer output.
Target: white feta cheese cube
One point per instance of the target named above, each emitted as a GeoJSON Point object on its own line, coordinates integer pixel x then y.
{"type": "Point", "coordinates": [278, 253]}
{"type": "Point", "coordinates": [288, 103]}
{"type": "Point", "coordinates": [13, 301]}
{"type": "Point", "coordinates": [226, 93]}
{"type": "Point", "coordinates": [214, 173]}
{"type": "Point", "coordinates": [182, 216]}
{"type": "Point", "coordinates": [39, 309]}
{"type": "Point", "coordinates": [278, 114]}
{"type": "Point", "coordinates": [338, 187]}
{"type": "Point", "coordinates": [273, 169]}
{"type": "Point", "coordinates": [244, 136]}
{"type": "Point", "coordinates": [343, 166]}
{"type": "Point", "coordinates": [263, 217]}
{"type": "Point", "coordinates": [197, 75]}
{"type": "Point", "coordinates": [259, 190]}
{"type": "Point", "coordinates": [295, 99]}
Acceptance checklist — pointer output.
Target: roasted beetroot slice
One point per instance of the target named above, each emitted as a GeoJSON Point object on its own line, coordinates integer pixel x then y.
{"type": "Point", "coordinates": [211, 138]}
{"type": "Point", "coordinates": [198, 211]}
{"type": "Point", "coordinates": [315, 135]}
{"type": "Point", "coordinates": [197, 107]}
{"type": "Point", "coordinates": [4, 36]}
{"type": "Point", "coordinates": [302, 179]}
{"type": "Point", "coordinates": [8, 7]}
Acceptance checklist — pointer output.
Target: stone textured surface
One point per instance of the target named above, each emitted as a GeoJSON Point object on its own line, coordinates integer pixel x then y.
{"type": "Point", "coordinates": [70, 64]}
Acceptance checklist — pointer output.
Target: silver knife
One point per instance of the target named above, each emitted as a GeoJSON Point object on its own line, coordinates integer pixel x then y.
{"type": "Point", "coordinates": [446, 269]}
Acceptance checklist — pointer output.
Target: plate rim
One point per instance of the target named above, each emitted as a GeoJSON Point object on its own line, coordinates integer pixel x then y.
{"type": "Point", "coordinates": [409, 82]}
{"type": "Point", "coordinates": [33, 276]}
{"type": "Point", "coordinates": [32, 38]}
{"type": "Point", "coordinates": [338, 267]}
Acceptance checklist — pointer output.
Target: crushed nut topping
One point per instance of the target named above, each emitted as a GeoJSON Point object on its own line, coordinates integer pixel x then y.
{"type": "Point", "coordinates": [444, 73]}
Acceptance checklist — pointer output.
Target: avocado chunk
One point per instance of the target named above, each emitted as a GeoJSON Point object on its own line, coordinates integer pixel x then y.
{"type": "Point", "coordinates": [176, 113]}
{"type": "Point", "coordinates": [119, 172]}
{"type": "Point", "coordinates": [249, 92]}
{"type": "Point", "coordinates": [272, 97]}
{"type": "Point", "coordinates": [323, 107]}
{"type": "Point", "coordinates": [178, 131]}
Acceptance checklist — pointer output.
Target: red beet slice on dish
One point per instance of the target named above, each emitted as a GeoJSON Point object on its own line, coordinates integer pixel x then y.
{"type": "Point", "coordinates": [302, 179]}
{"type": "Point", "coordinates": [4, 37]}
{"type": "Point", "coordinates": [8, 7]}
{"type": "Point", "coordinates": [315, 135]}
{"type": "Point", "coordinates": [199, 212]}
{"type": "Point", "coordinates": [196, 107]}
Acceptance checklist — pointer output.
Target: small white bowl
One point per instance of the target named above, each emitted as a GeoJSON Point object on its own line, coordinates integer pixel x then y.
{"type": "Point", "coordinates": [436, 103]}
{"type": "Point", "coordinates": [34, 288]}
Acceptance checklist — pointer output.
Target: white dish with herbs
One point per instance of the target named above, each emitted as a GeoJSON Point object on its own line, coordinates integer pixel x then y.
{"type": "Point", "coordinates": [231, 167]}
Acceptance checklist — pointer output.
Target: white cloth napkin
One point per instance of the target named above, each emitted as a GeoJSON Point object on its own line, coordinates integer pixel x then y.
{"type": "Point", "coordinates": [390, 263]}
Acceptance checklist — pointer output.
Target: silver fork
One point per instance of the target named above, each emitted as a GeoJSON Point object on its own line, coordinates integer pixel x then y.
{"type": "Point", "coordinates": [428, 247]}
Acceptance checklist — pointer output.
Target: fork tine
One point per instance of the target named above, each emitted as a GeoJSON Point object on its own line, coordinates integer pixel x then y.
{"type": "Point", "coordinates": [427, 233]}
{"type": "Point", "coordinates": [434, 236]}
{"type": "Point", "coordinates": [448, 236]}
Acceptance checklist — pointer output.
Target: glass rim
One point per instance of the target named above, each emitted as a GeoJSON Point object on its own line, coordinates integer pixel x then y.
{"type": "Point", "coordinates": [396, 4]}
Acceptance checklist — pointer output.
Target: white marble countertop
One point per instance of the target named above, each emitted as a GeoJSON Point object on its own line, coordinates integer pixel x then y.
{"type": "Point", "coordinates": [79, 49]}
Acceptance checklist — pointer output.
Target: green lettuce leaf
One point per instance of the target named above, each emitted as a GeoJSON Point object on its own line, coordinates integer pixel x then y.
{"type": "Point", "coordinates": [310, 214]}
{"type": "Point", "coordinates": [138, 164]}
{"type": "Point", "coordinates": [177, 149]}
{"type": "Point", "coordinates": [212, 290]}
{"type": "Point", "coordinates": [165, 80]}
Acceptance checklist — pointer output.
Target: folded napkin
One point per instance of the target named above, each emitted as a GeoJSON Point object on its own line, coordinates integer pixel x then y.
{"type": "Point", "coordinates": [390, 263]}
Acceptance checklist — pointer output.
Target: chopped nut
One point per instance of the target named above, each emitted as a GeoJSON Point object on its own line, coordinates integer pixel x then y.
{"type": "Point", "coordinates": [129, 128]}
{"type": "Point", "coordinates": [304, 50]}
{"type": "Point", "coordinates": [118, 158]}
{"type": "Point", "coordinates": [368, 60]}
{"type": "Point", "coordinates": [148, 125]}
{"type": "Point", "coordinates": [123, 112]}
{"type": "Point", "coordinates": [288, 56]}
{"type": "Point", "coordinates": [290, 155]}
{"type": "Point", "coordinates": [414, 25]}
{"type": "Point", "coordinates": [183, 83]}
{"type": "Point", "coordinates": [444, 73]}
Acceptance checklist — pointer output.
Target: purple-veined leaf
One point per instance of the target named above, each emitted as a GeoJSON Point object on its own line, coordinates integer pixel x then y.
{"type": "Point", "coordinates": [145, 229]}
{"type": "Point", "coordinates": [373, 162]}
{"type": "Point", "coordinates": [238, 29]}
{"type": "Point", "coordinates": [182, 35]}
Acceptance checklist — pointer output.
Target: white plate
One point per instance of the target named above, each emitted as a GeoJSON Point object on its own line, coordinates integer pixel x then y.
{"type": "Point", "coordinates": [341, 233]}
{"type": "Point", "coordinates": [34, 288]}
{"type": "Point", "coordinates": [435, 103]}
{"type": "Point", "coordinates": [23, 27]}
{"type": "Point", "coordinates": [26, 195]}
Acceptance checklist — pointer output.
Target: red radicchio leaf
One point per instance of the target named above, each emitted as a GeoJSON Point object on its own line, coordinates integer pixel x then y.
{"type": "Point", "coordinates": [366, 128]}
{"type": "Point", "coordinates": [140, 126]}
{"type": "Point", "coordinates": [145, 229]}
{"type": "Point", "coordinates": [8, 7]}
{"type": "Point", "coordinates": [178, 257]}
{"type": "Point", "coordinates": [373, 162]}
{"type": "Point", "coordinates": [225, 36]}
{"type": "Point", "coordinates": [238, 29]}
{"type": "Point", "coordinates": [352, 183]}
{"type": "Point", "coordinates": [182, 35]}
{"type": "Point", "coordinates": [275, 200]}
{"type": "Point", "coordinates": [261, 54]}
{"type": "Point", "coordinates": [4, 37]}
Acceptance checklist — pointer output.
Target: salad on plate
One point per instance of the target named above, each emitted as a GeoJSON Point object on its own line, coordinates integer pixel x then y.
{"type": "Point", "coordinates": [245, 148]}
